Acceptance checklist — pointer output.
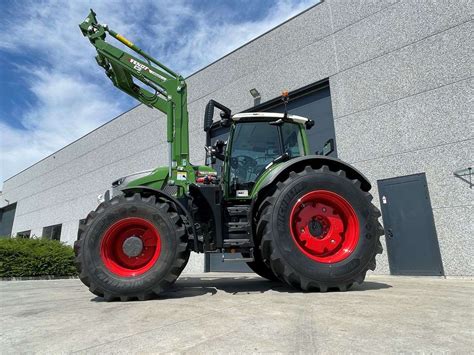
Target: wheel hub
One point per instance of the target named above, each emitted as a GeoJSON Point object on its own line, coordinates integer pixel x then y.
{"type": "Point", "coordinates": [132, 246]}
{"type": "Point", "coordinates": [316, 229]}
{"type": "Point", "coordinates": [324, 226]}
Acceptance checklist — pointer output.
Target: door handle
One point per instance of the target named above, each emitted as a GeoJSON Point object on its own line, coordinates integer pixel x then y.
{"type": "Point", "coordinates": [389, 233]}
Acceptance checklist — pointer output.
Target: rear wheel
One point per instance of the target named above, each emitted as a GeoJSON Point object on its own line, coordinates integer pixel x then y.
{"type": "Point", "coordinates": [319, 230]}
{"type": "Point", "coordinates": [131, 247]}
{"type": "Point", "coordinates": [260, 267]}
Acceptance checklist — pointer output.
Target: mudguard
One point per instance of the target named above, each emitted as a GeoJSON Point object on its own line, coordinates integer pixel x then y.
{"type": "Point", "coordinates": [180, 208]}
{"type": "Point", "coordinates": [281, 171]}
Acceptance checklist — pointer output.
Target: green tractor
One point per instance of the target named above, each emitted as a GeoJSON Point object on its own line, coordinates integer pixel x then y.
{"type": "Point", "coordinates": [305, 220]}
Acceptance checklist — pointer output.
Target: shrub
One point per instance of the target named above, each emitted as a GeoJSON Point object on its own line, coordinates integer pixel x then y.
{"type": "Point", "coordinates": [35, 257]}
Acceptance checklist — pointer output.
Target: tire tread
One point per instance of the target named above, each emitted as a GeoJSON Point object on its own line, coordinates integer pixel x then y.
{"type": "Point", "coordinates": [176, 269]}
{"type": "Point", "coordinates": [282, 269]}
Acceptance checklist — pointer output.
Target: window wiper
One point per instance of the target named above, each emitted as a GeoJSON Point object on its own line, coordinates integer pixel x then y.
{"type": "Point", "coordinates": [284, 157]}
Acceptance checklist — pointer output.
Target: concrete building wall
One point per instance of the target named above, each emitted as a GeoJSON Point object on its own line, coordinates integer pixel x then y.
{"type": "Point", "coordinates": [400, 73]}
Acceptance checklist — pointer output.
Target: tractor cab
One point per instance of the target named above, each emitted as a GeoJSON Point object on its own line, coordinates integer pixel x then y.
{"type": "Point", "coordinates": [257, 141]}
{"type": "Point", "coordinates": [244, 147]}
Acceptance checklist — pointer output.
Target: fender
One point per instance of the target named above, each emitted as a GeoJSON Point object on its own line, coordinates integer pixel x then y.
{"type": "Point", "coordinates": [282, 170]}
{"type": "Point", "coordinates": [183, 211]}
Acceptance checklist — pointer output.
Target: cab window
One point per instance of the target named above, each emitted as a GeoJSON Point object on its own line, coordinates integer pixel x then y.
{"type": "Point", "coordinates": [257, 144]}
{"type": "Point", "coordinates": [292, 140]}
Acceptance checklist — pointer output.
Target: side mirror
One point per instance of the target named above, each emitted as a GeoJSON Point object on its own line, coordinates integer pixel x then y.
{"type": "Point", "coordinates": [309, 124]}
{"type": "Point", "coordinates": [214, 152]}
{"type": "Point", "coordinates": [219, 146]}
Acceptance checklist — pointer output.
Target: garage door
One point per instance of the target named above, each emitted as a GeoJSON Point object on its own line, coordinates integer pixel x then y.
{"type": "Point", "coordinates": [313, 102]}
{"type": "Point", "coordinates": [7, 216]}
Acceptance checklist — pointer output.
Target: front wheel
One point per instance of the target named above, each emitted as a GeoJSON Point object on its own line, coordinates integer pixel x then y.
{"type": "Point", "coordinates": [131, 247]}
{"type": "Point", "coordinates": [320, 231]}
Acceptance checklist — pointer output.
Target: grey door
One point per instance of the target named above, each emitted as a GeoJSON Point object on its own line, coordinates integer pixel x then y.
{"type": "Point", "coordinates": [412, 244]}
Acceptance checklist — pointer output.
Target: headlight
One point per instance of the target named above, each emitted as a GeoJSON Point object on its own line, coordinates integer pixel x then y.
{"type": "Point", "coordinates": [118, 182]}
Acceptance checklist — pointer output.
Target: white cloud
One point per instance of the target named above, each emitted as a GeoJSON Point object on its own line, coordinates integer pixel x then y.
{"type": "Point", "coordinates": [72, 96]}
{"type": "Point", "coordinates": [67, 109]}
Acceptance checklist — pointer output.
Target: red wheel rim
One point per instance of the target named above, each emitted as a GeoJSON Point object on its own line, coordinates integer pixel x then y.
{"type": "Point", "coordinates": [324, 226]}
{"type": "Point", "coordinates": [112, 250]}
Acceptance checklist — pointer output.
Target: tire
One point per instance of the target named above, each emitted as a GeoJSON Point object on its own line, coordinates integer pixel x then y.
{"type": "Point", "coordinates": [319, 230]}
{"type": "Point", "coordinates": [114, 273]}
{"type": "Point", "coordinates": [260, 267]}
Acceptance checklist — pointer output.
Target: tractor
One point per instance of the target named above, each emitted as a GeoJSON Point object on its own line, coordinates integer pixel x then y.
{"type": "Point", "coordinates": [294, 217]}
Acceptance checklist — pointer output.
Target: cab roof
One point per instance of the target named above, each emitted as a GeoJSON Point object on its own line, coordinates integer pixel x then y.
{"type": "Point", "coordinates": [270, 116]}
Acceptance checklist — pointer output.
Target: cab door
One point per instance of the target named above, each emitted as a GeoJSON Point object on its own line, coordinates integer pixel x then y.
{"type": "Point", "coordinates": [253, 146]}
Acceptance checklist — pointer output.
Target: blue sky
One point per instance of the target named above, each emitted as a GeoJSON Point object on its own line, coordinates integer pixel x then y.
{"type": "Point", "coordinates": [51, 90]}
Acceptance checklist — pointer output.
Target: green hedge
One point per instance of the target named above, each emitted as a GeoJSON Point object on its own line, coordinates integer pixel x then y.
{"type": "Point", "coordinates": [35, 257]}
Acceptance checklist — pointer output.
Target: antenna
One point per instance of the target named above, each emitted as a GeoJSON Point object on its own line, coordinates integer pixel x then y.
{"type": "Point", "coordinates": [285, 97]}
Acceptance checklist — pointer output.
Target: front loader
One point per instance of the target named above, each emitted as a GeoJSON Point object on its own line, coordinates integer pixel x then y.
{"type": "Point", "coordinates": [302, 219]}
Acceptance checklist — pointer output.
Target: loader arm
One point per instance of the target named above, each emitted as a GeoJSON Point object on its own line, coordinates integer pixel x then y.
{"type": "Point", "coordinates": [164, 89]}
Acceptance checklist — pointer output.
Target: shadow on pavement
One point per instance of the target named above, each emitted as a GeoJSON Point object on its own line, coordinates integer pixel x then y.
{"type": "Point", "coordinates": [193, 286]}
{"type": "Point", "coordinates": [197, 286]}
